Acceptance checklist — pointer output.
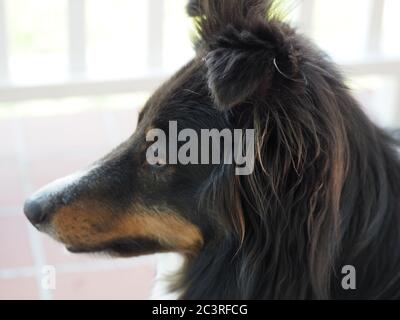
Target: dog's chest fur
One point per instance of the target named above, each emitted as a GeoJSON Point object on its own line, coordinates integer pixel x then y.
{"type": "Point", "coordinates": [168, 264]}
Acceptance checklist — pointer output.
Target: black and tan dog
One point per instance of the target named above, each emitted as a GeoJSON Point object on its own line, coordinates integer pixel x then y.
{"type": "Point", "coordinates": [325, 191]}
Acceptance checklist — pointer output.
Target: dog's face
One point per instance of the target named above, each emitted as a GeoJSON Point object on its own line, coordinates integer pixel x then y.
{"type": "Point", "coordinates": [122, 204]}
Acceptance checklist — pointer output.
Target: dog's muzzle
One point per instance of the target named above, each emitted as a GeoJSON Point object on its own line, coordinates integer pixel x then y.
{"type": "Point", "coordinates": [39, 207]}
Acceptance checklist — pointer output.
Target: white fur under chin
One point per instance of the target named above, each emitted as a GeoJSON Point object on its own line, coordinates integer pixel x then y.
{"type": "Point", "coordinates": [168, 264]}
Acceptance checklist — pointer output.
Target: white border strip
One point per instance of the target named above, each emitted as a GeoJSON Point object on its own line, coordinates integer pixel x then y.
{"type": "Point", "coordinates": [4, 58]}
{"type": "Point", "coordinates": [77, 38]}
{"type": "Point", "coordinates": [372, 67]}
{"type": "Point", "coordinates": [375, 27]}
{"type": "Point", "coordinates": [80, 88]}
{"type": "Point", "coordinates": [155, 22]}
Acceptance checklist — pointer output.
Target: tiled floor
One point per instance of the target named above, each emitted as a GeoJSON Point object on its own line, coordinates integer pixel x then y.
{"type": "Point", "coordinates": [33, 152]}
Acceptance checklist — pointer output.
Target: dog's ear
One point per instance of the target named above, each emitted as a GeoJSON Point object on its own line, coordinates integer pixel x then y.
{"type": "Point", "coordinates": [237, 67]}
{"type": "Point", "coordinates": [193, 8]}
{"type": "Point", "coordinates": [242, 48]}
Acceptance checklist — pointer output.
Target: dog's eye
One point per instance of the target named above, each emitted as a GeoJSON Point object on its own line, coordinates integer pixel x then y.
{"type": "Point", "coordinates": [161, 160]}
{"type": "Point", "coordinates": [160, 164]}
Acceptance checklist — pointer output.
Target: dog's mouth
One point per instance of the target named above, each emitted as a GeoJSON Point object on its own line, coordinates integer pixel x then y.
{"type": "Point", "coordinates": [125, 247]}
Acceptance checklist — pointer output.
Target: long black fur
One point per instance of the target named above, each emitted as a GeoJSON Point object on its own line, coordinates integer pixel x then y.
{"type": "Point", "coordinates": [326, 187]}
{"type": "Point", "coordinates": [324, 193]}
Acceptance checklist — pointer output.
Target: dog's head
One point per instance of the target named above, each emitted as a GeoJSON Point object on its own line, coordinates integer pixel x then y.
{"type": "Point", "coordinates": [250, 72]}
{"type": "Point", "coordinates": [123, 204]}
{"type": "Point", "coordinates": [126, 205]}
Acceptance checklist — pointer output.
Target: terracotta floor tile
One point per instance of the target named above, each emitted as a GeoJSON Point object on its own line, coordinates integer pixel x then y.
{"type": "Point", "coordinates": [12, 191]}
{"type": "Point", "coordinates": [14, 242]}
{"type": "Point", "coordinates": [7, 138]}
{"type": "Point", "coordinates": [132, 283]}
{"type": "Point", "coordinates": [14, 210]}
{"type": "Point", "coordinates": [56, 254]}
{"type": "Point", "coordinates": [18, 289]}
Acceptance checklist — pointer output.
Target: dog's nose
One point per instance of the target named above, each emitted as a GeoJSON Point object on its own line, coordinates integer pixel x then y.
{"type": "Point", "coordinates": [43, 204]}
{"type": "Point", "coordinates": [40, 207]}
{"type": "Point", "coordinates": [34, 211]}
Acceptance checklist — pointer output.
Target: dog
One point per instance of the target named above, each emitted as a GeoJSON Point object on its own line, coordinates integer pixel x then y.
{"type": "Point", "coordinates": [324, 195]}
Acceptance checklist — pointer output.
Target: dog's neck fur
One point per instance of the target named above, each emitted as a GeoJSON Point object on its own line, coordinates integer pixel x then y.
{"type": "Point", "coordinates": [222, 273]}
{"type": "Point", "coordinates": [369, 242]}
{"type": "Point", "coordinates": [326, 186]}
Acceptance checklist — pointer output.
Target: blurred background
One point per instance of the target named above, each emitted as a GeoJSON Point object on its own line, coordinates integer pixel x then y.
{"type": "Point", "coordinates": [73, 75]}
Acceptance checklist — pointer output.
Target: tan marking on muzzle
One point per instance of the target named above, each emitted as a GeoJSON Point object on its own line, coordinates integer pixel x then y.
{"type": "Point", "coordinates": [90, 225]}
